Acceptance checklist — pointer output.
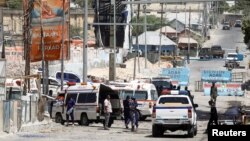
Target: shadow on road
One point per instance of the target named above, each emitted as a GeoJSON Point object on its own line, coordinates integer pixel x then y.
{"type": "Point", "coordinates": [169, 136]}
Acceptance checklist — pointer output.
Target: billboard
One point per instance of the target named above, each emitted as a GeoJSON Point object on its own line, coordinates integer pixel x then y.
{"type": "Point", "coordinates": [180, 75]}
{"type": "Point", "coordinates": [47, 16]}
{"type": "Point", "coordinates": [216, 75]}
{"type": "Point", "coordinates": [2, 2]}
{"type": "Point", "coordinates": [224, 89]}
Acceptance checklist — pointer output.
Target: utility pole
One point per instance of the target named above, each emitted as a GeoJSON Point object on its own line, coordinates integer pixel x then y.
{"type": "Point", "coordinates": [145, 31]}
{"type": "Point", "coordinates": [85, 46]}
{"type": "Point", "coordinates": [205, 21]}
{"type": "Point", "coordinates": [62, 49]}
{"type": "Point", "coordinates": [185, 19]}
{"type": "Point", "coordinates": [42, 46]}
{"type": "Point", "coordinates": [176, 23]}
{"type": "Point", "coordinates": [137, 31]}
{"type": "Point", "coordinates": [112, 55]}
{"type": "Point", "coordinates": [159, 62]}
{"type": "Point", "coordinates": [26, 41]}
{"type": "Point", "coordinates": [188, 54]}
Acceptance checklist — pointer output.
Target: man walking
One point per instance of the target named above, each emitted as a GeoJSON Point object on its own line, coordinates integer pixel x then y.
{"type": "Point", "coordinates": [70, 103]}
{"type": "Point", "coordinates": [213, 93]}
{"type": "Point", "coordinates": [107, 111]}
{"type": "Point", "coordinates": [126, 111]}
{"type": "Point", "coordinates": [213, 115]}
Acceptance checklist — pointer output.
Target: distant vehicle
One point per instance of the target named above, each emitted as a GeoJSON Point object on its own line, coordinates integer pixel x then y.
{"type": "Point", "coordinates": [217, 51]}
{"type": "Point", "coordinates": [174, 112]}
{"type": "Point", "coordinates": [68, 77]}
{"type": "Point", "coordinates": [232, 60]}
{"type": "Point", "coordinates": [237, 23]}
{"type": "Point", "coordinates": [226, 26]}
{"type": "Point", "coordinates": [205, 53]}
{"type": "Point", "coordinates": [161, 83]}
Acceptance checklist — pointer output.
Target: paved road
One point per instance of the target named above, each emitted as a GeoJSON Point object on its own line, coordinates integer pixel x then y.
{"type": "Point", "coordinates": [229, 40]}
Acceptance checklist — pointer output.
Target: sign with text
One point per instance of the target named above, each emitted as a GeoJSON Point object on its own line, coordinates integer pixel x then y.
{"type": "Point", "coordinates": [181, 75]}
{"type": "Point", "coordinates": [47, 17]}
{"type": "Point", "coordinates": [216, 75]}
{"type": "Point", "coordinates": [224, 89]}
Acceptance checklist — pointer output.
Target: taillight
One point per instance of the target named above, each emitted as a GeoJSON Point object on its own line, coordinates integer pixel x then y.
{"type": "Point", "coordinates": [189, 113]}
{"type": "Point", "coordinates": [97, 109]}
{"type": "Point", "coordinates": [154, 111]}
{"type": "Point", "coordinates": [150, 105]}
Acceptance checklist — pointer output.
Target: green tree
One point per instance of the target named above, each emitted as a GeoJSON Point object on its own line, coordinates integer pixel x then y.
{"type": "Point", "coordinates": [155, 23]}
{"type": "Point", "coordinates": [75, 31]}
{"type": "Point", "coordinates": [246, 30]}
{"type": "Point", "coordinates": [14, 4]}
{"type": "Point", "coordinates": [223, 6]}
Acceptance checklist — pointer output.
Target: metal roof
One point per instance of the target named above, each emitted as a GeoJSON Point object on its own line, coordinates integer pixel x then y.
{"type": "Point", "coordinates": [153, 38]}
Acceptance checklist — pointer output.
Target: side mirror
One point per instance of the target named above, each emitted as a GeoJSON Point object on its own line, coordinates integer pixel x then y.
{"type": "Point", "coordinates": [196, 105]}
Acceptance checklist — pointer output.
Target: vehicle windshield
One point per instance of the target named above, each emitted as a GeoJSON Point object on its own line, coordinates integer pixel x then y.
{"type": "Point", "coordinates": [216, 48]}
{"type": "Point", "coordinates": [164, 84]}
{"type": "Point", "coordinates": [167, 100]}
{"type": "Point", "coordinates": [232, 55]}
{"type": "Point", "coordinates": [138, 95]}
{"type": "Point", "coordinates": [226, 23]}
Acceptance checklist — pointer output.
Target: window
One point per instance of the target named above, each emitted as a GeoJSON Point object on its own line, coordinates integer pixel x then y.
{"type": "Point", "coordinates": [82, 98]}
{"type": "Point", "coordinates": [127, 93]}
{"type": "Point", "coordinates": [91, 98]}
{"type": "Point", "coordinates": [162, 84]}
{"type": "Point", "coordinates": [73, 95]}
{"type": "Point", "coordinates": [182, 100]}
{"type": "Point", "coordinates": [73, 78]}
{"type": "Point", "coordinates": [154, 95]}
{"type": "Point", "coordinates": [141, 95]}
{"type": "Point", "coordinates": [87, 98]}
{"type": "Point", "coordinates": [53, 82]}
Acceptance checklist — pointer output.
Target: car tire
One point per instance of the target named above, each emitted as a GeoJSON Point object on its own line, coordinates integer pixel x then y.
{"type": "Point", "coordinates": [84, 120]}
{"type": "Point", "coordinates": [59, 119]}
{"type": "Point", "coordinates": [195, 130]}
{"type": "Point", "coordinates": [156, 132]}
{"type": "Point", "coordinates": [191, 132]}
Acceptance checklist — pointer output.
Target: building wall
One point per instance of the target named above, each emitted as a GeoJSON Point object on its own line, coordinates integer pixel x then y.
{"type": "Point", "coordinates": [13, 20]}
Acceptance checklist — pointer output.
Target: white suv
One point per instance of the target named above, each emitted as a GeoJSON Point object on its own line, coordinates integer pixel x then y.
{"type": "Point", "coordinates": [174, 112]}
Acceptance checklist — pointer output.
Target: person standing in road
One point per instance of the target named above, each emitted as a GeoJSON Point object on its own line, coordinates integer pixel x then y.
{"type": "Point", "coordinates": [70, 103]}
{"type": "Point", "coordinates": [213, 93]}
{"type": "Point", "coordinates": [107, 111]}
{"type": "Point", "coordinates": [126, 111]}
{"type": "Point", "coordinates": [213, 115]}
{"type": "Point", "coordinates": [132, 109]}
{"type": "Point", "coordinates": [136, 113]}
{"type": "Point", "coordinates": [237, 50]}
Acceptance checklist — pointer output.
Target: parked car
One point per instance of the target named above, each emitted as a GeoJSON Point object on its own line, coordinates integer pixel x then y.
{"type": "Point", "coordinates": [205, 53]}
{"type": "Point", "coordinates": [226, 26]}
{"type": "Point", "coordinates": [174, 112]}
{"type": "Point", "coordinates": [217, 51]}
{"type": "Point", "coordinates": [89, 106]}
{"type": "Point", "coordinates": [68, 77]}
{"type": "Point", "coordinates": [237, 23]}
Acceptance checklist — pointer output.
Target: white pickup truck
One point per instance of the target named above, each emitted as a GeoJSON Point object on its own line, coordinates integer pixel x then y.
{"type": "Point", "coordinates": [174, 112]}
